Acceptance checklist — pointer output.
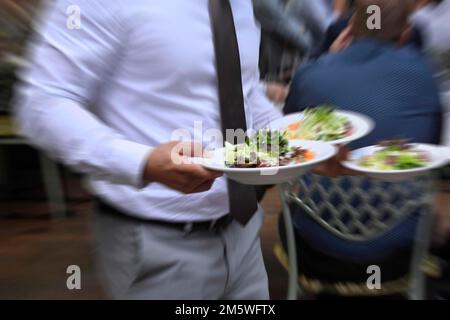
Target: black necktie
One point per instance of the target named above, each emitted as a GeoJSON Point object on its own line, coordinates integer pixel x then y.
{"type": "Point", "coordinates": [243, 203]}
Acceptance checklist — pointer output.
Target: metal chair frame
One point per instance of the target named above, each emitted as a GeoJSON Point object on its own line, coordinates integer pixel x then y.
{"type": "Point", "coordinates": [416, 289]}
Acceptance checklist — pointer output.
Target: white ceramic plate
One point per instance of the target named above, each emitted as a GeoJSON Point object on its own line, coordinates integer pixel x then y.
{"type": "Point", "coordinates": [362, 125]}
{"type": "Point", "coordinates": [275, 175]}
{"type": "Point", "coordinates": [440, 156]}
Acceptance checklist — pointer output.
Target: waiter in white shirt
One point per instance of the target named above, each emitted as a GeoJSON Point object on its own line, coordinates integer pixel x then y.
{"type": "Point", "coordinates": [106, 98]}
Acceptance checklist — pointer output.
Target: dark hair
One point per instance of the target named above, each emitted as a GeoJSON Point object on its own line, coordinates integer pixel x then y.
{"type": "Point", "coordinates": [394, 19]}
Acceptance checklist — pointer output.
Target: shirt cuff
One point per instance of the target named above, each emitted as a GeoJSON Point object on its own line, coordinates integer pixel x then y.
{"type": "Point", "coordinates": [129, 160]}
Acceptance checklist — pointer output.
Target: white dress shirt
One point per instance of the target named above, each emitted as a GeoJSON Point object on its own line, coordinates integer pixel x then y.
{"type": "Point", "coordinates": [100, 97]}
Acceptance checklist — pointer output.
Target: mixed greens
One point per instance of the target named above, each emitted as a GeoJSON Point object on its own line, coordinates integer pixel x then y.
{"type": "Point", "coordinates": [264, 149]}
{"type": "Point", "coordinates": [321, 123]}
{"type": "Point", "coordinates": [395, 155]}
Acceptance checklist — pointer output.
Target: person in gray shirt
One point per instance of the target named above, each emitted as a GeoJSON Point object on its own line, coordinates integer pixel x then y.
{"type": "Point", "coordinates": [300, 22]}
{"type": "Point", "coordinates": [274, 17]}
{"type": "Point", "coordinates": [433, 17]}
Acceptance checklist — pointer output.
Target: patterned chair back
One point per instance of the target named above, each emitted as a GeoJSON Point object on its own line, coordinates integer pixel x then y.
{"type": "Point", "coordinates": [359, 209]}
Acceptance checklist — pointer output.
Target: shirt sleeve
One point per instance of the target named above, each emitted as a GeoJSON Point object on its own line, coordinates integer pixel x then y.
{"type": "Point", "coordinates": [312, 14]}
{"type": "Point", "coordinates": [273, 17]}
{"type": "Point", "coordinates": [263, 111]}
{"type": "Point", "coordinates": [66, 66]}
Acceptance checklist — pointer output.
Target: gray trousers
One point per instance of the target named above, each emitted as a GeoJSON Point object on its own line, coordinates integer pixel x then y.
{"type": "Point", "coordinates": [139, 260]}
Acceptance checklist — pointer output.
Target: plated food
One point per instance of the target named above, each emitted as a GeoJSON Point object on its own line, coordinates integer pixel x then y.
{"type": "Point", "coordinates": [325, 123]}
{"type": "Point", "coordinates": [268, 158]}
{"type": "Point", "coordinates": [397, 160]}
{"type": "Point", "coordinates": [321, 123]}
{"type": "Point", "coordinates": [264, 150]}
{"type": "Point", "coordinates": [396, 155]}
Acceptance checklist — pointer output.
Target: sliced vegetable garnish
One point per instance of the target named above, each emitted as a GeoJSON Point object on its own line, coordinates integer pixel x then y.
{"type": "Point", "coordinates": [265, 149]}
{"type": "Point", "coordinates": [321, 123]}
{"type": "Point", "coordinates": [395, 155]}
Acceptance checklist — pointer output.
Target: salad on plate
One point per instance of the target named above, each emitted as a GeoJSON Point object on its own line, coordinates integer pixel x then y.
{"type": "Point", "coordinates": [265, 149]}
{"type": "Point", "coordinates": [321, 123]}
{"type": "Point", "coordinates": [396, 155]}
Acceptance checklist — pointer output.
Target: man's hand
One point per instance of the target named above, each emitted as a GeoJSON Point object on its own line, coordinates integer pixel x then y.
{"type": "Point", "coordinates": [333, 167]}
{"type": "Point", "coordinates": [169, 164]}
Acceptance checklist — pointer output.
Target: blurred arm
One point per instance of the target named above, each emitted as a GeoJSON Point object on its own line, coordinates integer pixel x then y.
{"type": "Point", "coordinates": [274, 18]}
{"type": "Point", "coordinates": [312, 14]}
{"type": "Point", "coordinates": [65, 70]}
{"type": "Point", "coordinates": [445, 97]}
{"type": "Point", "coordinates": [263, 111]}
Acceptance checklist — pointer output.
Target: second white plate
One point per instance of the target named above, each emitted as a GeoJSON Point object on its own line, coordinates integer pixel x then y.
{"type": "Point", "coordinates": [362, 125]}
{"type": "Point", "coordinates": [439, 157]}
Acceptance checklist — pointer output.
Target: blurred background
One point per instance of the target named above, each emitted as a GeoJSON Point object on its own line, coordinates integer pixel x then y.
{"type": "Point", "coordinates": [45, 211]}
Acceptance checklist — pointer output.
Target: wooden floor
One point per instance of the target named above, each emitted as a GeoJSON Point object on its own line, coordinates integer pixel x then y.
{"type": "Point", "coordinates": [35, 251]}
